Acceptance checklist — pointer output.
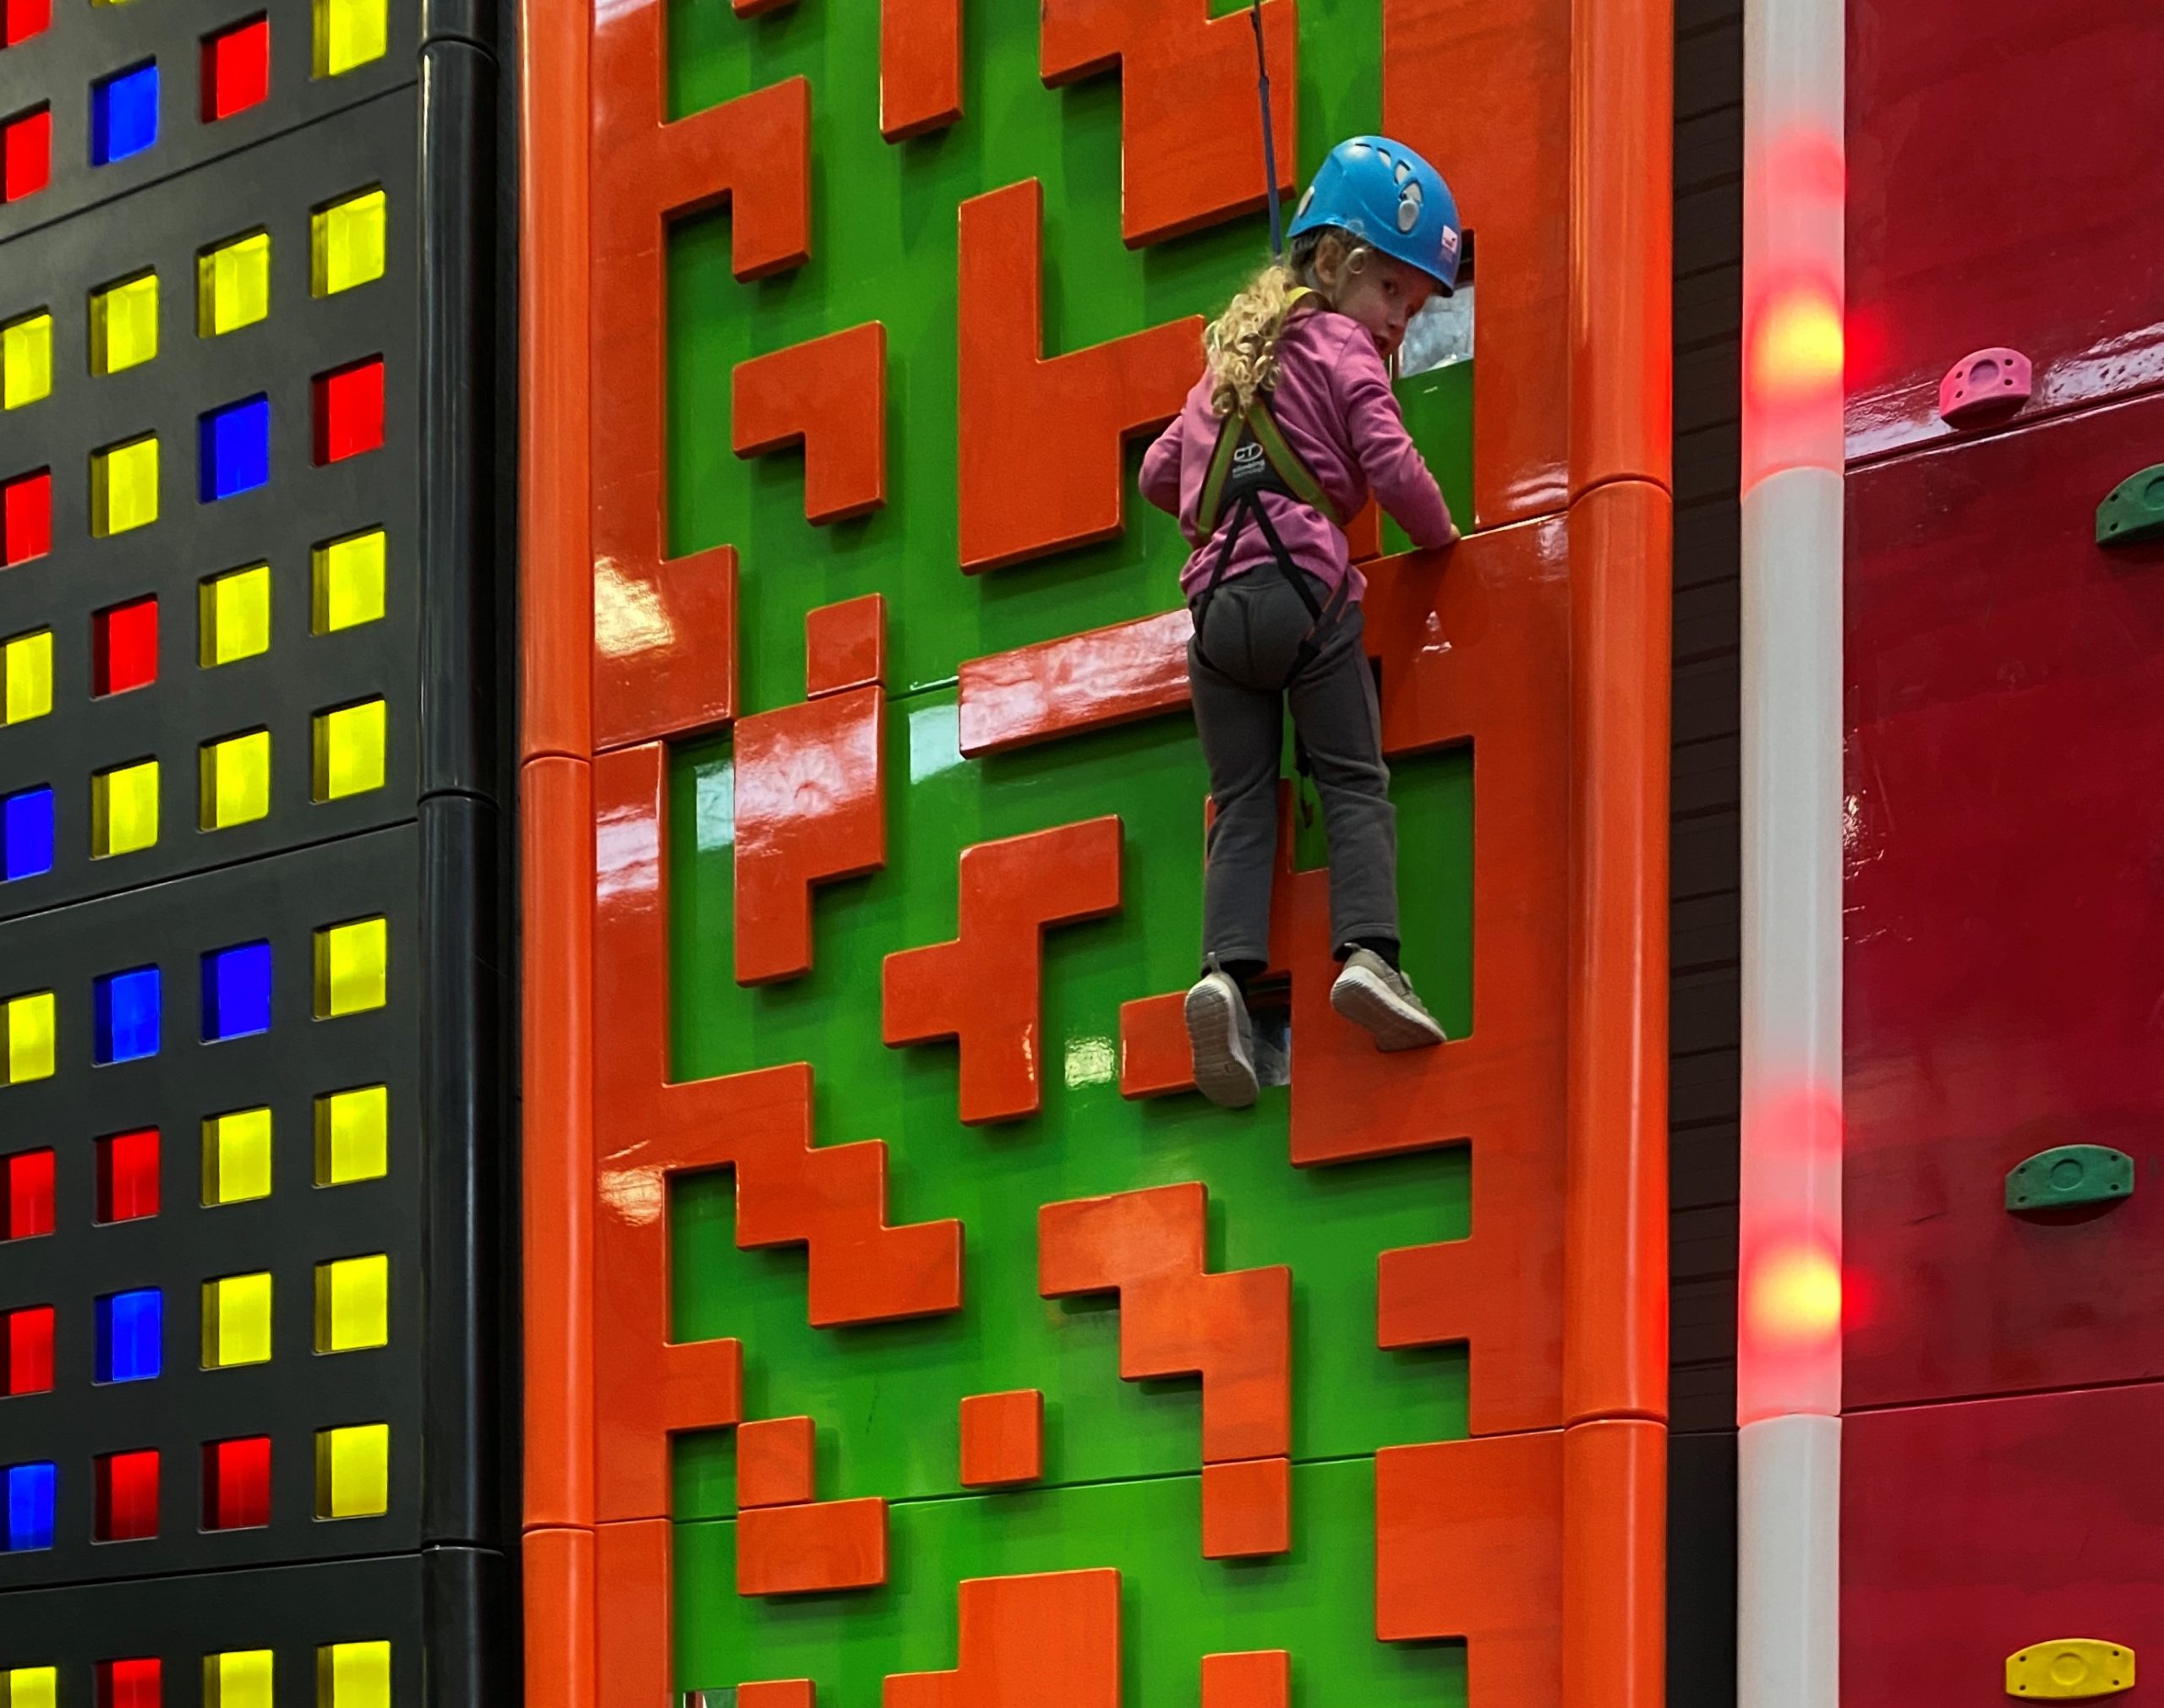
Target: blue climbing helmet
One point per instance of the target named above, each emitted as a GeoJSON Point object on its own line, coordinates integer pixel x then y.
{"type": "Point", "coordinates": [1388, 197]}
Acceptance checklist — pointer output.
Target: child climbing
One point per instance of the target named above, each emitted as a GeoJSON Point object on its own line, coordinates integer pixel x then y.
{"type": "Point", "coordinates": [1291, 427]}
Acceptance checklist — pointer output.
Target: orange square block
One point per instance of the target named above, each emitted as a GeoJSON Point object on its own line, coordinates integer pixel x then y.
{"type": "Point", "coordinates": [1003, 1438]}
{"type": "Point", "coordinates": [1247, 1509]}
{"type": "Point", "coordinates": [803, 1550]}
{"type": "Point", "coordinates": [774, 1462]}
{"type": "Point", "coordinates": [1262, 1678]}
{"type": "Point", "coordinates": [844, 646]}
{"type": "Point", "coordinates": [778, 1692]}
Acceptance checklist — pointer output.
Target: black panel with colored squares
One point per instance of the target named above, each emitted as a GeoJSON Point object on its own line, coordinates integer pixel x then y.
{"type": "Point", "coordinates": [253, 1040]}
{"type": "Point", "coordinates": [208, 470]}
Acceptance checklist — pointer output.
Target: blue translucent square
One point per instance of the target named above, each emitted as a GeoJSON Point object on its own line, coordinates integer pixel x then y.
{"type": "Point", "coordinates": [236, 992]}
{"type": "Point", "coordinates": [26, 834]}
{"type": "Point", "coordinates": [123, 114]}
{"type": "Point", "coordinates": [30, 1506]}
{"type": "Point", "coordinates": [130, 1335]}
{"type": "Point", "coordinates": [234, 449]}
{"type": "Point", "coordinates": [124, 1011]}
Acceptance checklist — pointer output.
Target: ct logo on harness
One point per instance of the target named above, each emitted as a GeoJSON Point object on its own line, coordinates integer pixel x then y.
{"type": "Point", "coordinates": [1248, 459]}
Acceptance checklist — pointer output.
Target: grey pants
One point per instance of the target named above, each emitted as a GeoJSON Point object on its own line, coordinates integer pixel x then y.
{"type": "Point", "coordinates": [1255, 624]}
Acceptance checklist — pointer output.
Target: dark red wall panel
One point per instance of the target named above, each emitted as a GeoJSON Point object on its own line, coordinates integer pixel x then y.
{"type": "Point", "coordinates": [1972, 1532]}
{"type": "Point", "coordinates": [2005, 902]}
{"type": "Point", "coordinates": [2004, 188]}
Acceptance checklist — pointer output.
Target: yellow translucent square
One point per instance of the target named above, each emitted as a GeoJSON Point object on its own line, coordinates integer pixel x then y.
{"type": "Point", "coordinates": [233, 285]}
{"type": "Point", "coordinates": [236, 1157]}
{"type": "Point", "coordinates": [236, 1322]}
{"type": "Point", "coordinates": [236, 781]}
{"type": "Point", "coordinates": [240, 1679]}
{"type": "Point", "coordinates": [351, 968]}
{"type": "Point", "coordinates": [352, 1136]}
{"type": "Point", "coordinates": [26, 360]}
{"type": "Point", "coordinates": [352, 1304]}
{"type": "Point", "coordinates": [33, 1687]}
{"type": "Point", "coordinates": [234, 613]}
{"type": "Point", "coordinates": [352, 1675]}
{"type": "Point", "coordinates": [26, 664]}
{"type": "Point", "coordinates": [124, 809]}
{"type": "Point", "coordinates": [124, 324]}
{"type": "Point", "coordinates": [348, 582]}
{"type": "Point", "coordinates": [124, 486]}
{"type": "Point", "coordinates": [349, 750]}
{"type": "Point", "coordinates": [346, 243]}
{"type": "Point", "coordinates": [353, 1477]}
{"type": "Point", "coordinates": [29, 1036]}
{"type": "Point", "coordinates": [350, 33]}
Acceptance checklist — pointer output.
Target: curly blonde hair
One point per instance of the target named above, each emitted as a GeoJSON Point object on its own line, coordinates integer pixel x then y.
{"type": "Point", "coordinates": [1240, 345]}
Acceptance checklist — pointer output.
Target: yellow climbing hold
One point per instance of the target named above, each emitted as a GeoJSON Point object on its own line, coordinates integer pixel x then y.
{"type": "Point", "coordinates": [2069, 1669]}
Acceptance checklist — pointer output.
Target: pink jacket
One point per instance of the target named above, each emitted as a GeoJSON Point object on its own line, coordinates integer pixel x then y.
{"type": "Point", "coordinates": [1334, 405]}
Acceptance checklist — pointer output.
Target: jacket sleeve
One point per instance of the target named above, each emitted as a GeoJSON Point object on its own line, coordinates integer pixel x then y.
{"type": "Point", "coordinates": [1160, 468]}
{"type": "Point", "coordinates": [1387, 454]}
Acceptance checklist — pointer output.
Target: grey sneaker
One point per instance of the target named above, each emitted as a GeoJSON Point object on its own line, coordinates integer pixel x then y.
{"type": "Point", "coordinates": [1221, 1035]}
{"type": "Point", "coordinates": [1373, 993]}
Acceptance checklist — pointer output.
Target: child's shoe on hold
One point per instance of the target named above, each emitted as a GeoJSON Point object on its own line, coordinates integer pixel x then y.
{"type": "Point", "coordinates": [1221, 1035]}
{"type": "Point", "coordinates": [1371, 993]}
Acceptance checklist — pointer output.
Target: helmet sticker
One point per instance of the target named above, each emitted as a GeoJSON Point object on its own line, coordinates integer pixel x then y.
{"type": "Point", "coordinates": [1449, 241]}
{"type": "Point", "coordinates": [1408, 206]}
{"type": "Point", "coordinates": [1307, 201]}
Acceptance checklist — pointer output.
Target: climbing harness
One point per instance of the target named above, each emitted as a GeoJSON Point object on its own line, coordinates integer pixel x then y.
{"type": "Point", "coordinates": [1253, 458]}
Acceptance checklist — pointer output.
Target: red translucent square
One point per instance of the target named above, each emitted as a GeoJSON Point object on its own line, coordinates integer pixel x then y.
{"type": "Point", "coordinates": [20, 19]}
{"type": "Point", "coordinates": [30, 1350]}
{"type": "Point", "coordinates": [25, 154]}
{"type": "Point", "coordinates": [127, 1175]}
{"type": "Point", "coordinates": [124, 647]}
{"type": "Point", "coordinates": [237, 1483]}
{"type": "Point", "coordinates": [127, 1495]}
{"type": "Point", "coordinates": [25, 518]}
{"type": "Point", "coordinates": [30, 1194]}
{"type": "Point", "coordinates": [349, 410]}
{"type": "Point", "coordinates": [130, 1684]}
{"type": "Point", "coordinates": [236, 69]}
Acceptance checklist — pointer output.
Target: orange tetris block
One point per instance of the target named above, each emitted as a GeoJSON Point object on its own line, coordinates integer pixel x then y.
{"type": "Point", "coordinates": [774, 1462]}
{"type": "Point", "coordinates": [845, 646]}
{"type": "Point", "coordinates": [665, 646]}
{"type": "Point", "coordinates": [920, 66]}
{"type": "Point", "coordinates": [1017, 502]}
{"type": "Point", "coordinates": [1003, 1438]}
{"type": "Point", "coordinates": [1233, 1329]}
{"type": "Point", "coordinates": [811, 808]}
{"type": "Point", "coordinates": [1155, 1056]}
{"type": "Point", "coordinates": [1190, 126]}
{"type": "Point", "coordinates": [1261, 1679]}
{"type": "Point", "coordinates": [1078, 682]}
{"type": "Point", "coordinates": [1051, 1641]}
{"type": "Point", "coordinates": [985, 988]}
{"type": "Point", "coordinates": [1469, 1543]}
{"type": "Point", "coordinates": [633, 1613]}
{"type": "Point", "coordinates": [829, 395]}
{"type": "Point", "coordinates": [1247, 1509]}
{"type": "Point", "coordinates": [802, 1549]}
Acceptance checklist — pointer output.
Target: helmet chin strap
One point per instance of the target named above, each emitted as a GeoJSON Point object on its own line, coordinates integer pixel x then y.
{"type": "Point", "coordinates": [1269, 140]}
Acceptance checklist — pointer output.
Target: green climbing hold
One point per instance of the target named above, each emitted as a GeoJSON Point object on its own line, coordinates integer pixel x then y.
{"type": "Point", "coordinates": [2133, 510]}
{"type": "Point", "coordinates": [2068, 1175]}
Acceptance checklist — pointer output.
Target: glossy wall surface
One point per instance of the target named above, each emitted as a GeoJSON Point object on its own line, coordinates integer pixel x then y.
{"type": "Point", "coordinates": [2003, 680]}
{"type": "Point", "coordinates": [251, 1068]}
{"type": "Point", "coordinates": [901, 1326]}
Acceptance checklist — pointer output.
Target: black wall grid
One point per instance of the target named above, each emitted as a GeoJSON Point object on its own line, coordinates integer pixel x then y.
{"type": "Point", "coordinates": [428, 851]}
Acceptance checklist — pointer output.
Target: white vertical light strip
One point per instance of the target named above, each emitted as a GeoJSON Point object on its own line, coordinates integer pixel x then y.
{"type": "Point", "coordinates": [1789, 1340]}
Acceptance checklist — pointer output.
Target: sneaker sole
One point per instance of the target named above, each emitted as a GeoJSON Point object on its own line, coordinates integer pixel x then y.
{"type": "Point", "coordinates": [1370, 1005]}
{"type": "Point", "coordinates": [1213, 1034]}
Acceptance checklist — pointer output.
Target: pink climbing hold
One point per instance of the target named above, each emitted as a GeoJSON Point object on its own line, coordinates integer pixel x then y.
{"type": "Point", "coordinates": [1988, 384]}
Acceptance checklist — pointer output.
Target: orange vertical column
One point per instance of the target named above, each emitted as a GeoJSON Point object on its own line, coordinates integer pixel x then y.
{"type": "Point", "coordinates": [1615, 1326]}
{"type": "Point", "coordinates": [556, 843]}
